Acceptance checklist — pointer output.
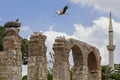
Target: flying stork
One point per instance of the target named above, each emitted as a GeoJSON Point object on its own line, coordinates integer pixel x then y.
{"type": "Point", "coordinates": [62, 11]}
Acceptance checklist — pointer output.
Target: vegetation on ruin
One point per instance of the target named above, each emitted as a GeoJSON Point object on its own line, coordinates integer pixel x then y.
{"type": "Point", "coordinates": [24, 46]}
{"type": "Point", "coordinates": [24, 77]}
{"type": "Point", "coordinates": [2, 35]}
{"type": "Point", "coordinates": [24, 49]}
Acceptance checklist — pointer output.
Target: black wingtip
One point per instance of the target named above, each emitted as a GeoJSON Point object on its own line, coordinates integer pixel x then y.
{"type": "Point", "coordinates": [67, 6]}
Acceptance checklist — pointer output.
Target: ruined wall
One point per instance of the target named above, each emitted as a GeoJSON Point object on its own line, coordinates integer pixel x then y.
{"type": "Point", "coordinates": [86, 57]}
{"type": "Point", "coordinates": [11, 57]}
{"type": "Point", "coordinates": [61, 66]}
{"type": "Point", "coordinates": [86, 67]}
{"type": "Point", "coordinates": [37, 62]}
{"type": "Point", "coordinates": [86, 60]}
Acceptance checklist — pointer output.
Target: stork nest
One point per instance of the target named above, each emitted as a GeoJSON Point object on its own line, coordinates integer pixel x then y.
{"type": "Point", "coordinates": [12, 24]}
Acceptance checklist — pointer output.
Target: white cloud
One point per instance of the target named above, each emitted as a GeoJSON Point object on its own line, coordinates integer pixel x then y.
{"type": "Point", "coordinates": [51, 36]}
{"type": "Point", "coordinates": [103, 5]}
{"type": "Point", "coordinates": [96, 35]}
{"type": "Point", "coordinates": [25, 28]}
{"type": "Point", "coordinates": [24, 70]}
{"type": "Point", "coordinates": [51, 28]}
{"type": "Point", "coordinates": [25, 31]}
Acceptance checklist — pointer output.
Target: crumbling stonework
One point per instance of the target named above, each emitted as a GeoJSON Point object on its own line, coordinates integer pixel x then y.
{"type": "Point", "coordinates": [61, 65]}
{"type": "Point", "coordinates": [86, 60]}
{"type": "Point", "coordinates": [37, 62]}
{"type": "Point", "coordinates": [86, 57]}
{"type": "Point", "coordinates": [11, 57]}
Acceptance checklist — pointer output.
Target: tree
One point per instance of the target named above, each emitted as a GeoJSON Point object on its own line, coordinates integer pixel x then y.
{"type": "Point", "coordinates": [71, 74]}
{"type": "Point", "coordinates": [50, 65]}
{"type": "Point", "coordinates": [24, 77]}
{"type": "Point", "coordinates": [24, 45]}
{"type": "Point", "coordinates": [107, 73]}
{"type": "Point", "coordinates": [116, 74]}
{"type": "Point", "coordinates": [24, 49]}
{"type": "Point", "coordinates": [2, 35]}
{"type": "Point", "coordinates": [49, 76]}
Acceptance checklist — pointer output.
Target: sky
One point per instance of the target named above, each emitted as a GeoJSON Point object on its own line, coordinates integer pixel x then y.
{"type": "Point", "coordinates": [86, 20]}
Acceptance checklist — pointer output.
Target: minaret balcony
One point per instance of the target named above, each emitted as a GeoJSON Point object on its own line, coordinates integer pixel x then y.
{"type": "Point", "coordinates": [111, 47]}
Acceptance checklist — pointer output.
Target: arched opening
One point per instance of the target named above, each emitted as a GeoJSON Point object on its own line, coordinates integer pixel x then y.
{"type": "Point", "coordinates": [92, 66]}
{"type": "Point", "coordinates": [92, 62]}
{"type": "Point", "coordinates": [71, 63]}
{"type": "Point", "coordinates": [76, 58]}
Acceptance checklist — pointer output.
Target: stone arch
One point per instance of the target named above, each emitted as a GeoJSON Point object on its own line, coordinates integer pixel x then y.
{"type": "Point", "coordinates": [78, 71]}
{"type": "Point", "coordinates": [93, 60]}
{"type": "Point", "coordinates": [82, 54]}
{"type": "Point", "coordinates": [77, 55]}
{"type": "Point", "coordinates": [93, 63]}
{"type": "Point", "coordinates": [78, 62]}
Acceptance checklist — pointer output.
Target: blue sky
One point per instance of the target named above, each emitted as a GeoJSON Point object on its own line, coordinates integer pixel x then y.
{"type": "Point", "coordinates": [87, 20]}
{"type": "Point", "coordinates": [39, 14]}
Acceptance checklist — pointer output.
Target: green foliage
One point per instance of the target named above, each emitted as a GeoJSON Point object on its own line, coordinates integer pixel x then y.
{"type": "Point", "coordinates": [2, 35]}
{"type": "Point", "coordinates": [24, 45]}
{"type": "Point", "coordinates": [24, 77]}
{"type": "Point", "coordinates": [107, 73]}
{"type": "Point", "coordinates": [116, 74]}
{"type": "Point", "coordinates": [2, 31]}
{"type": "Point", "coordinates": [50, 76]}
{"type": "Point", "coordinates": [24, 49]}
{"type": "Point", "coordinates": [71, 74]}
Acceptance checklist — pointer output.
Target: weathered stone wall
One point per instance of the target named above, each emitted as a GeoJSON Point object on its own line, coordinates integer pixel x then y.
{"type": "Point", "coordinates": [10, 68]}
{"type": "Point", "coordinates": [86, 57]}
{"type": "Point", "coordinates": [86, 60]}
{"type": "Point", "coordinates": [11, 57]}
{"type": "Point", "coordinates": [61, 65]}
{"type": "Point", "coordinates": [37, 62]}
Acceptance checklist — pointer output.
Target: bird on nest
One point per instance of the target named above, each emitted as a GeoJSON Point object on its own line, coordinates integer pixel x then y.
{"type": "Point", "coordinates": [17, 20]}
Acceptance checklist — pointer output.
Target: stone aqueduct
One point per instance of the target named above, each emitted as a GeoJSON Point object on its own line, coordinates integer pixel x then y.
{"type": "Point", "coordinates": [86, 57]}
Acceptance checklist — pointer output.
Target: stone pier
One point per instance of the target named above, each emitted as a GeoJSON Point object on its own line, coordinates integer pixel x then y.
{"type": "Point", "coordinates": [61, 65]}
{"type": "Point", "coordinates": [37, 62]}
{"type": "Point", "coordinates": [11, 57]}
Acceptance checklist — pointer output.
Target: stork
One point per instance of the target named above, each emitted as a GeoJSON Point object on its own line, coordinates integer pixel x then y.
{"type": "Point", "coordinates": [62, 11]}
{"type": "Point", "coordinates": [17, 20]}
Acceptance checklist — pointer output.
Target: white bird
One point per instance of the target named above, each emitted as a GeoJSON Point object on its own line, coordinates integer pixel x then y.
{"type": "Point", "coordinates": [62, 11]}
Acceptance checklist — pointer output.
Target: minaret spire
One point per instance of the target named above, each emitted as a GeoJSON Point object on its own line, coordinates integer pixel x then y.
{"type": "Point", "coordinates": [110, 23]}
{"type": "Point", "coordinates": [111, 46]}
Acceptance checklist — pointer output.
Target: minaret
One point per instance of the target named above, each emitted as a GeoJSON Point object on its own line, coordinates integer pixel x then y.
{"type": "Point", "coordinates": [111, 46]}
